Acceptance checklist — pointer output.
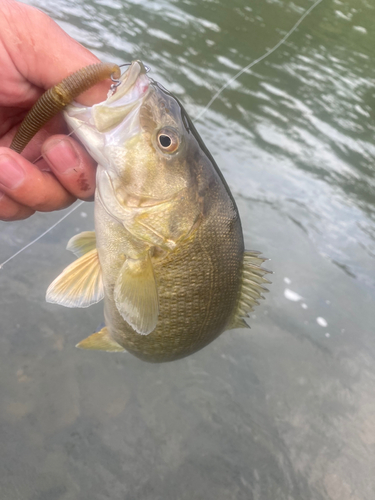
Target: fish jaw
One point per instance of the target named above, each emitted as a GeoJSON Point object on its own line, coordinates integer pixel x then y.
{"type": "Point", "coordinates": [114, 121]}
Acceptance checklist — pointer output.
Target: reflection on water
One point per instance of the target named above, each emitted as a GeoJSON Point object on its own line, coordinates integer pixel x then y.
{"type": "Point", "coordinates": [285, 411]}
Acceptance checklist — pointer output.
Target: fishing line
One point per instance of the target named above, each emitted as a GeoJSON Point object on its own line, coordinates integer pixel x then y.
{"type": "Point", "coordinates": [47, 230]}
{"type": "Point", "coordinates": [43, 234]}
{"type": "Point", "coordinates": [67, 135]}
{"type": "Point", "coordinates": [214, 97]}
{"type": "Point", "coordinates": [256, 61]}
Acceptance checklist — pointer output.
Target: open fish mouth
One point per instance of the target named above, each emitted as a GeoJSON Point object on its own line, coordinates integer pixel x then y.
{"type": "Point", "coordinates": [131, 89]}
{"type": "Point", "coordinates": [116, 118]}
{"type": "Point", "coordinates": [129, 80]}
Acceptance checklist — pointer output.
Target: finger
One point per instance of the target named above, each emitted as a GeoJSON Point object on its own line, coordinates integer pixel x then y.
{"type": "Point", "coordinates": [71, 164]}
{"type": "Point", "coordinates": [24, 183]}
{"type": "Point", "coordinates": [29, 47]}
{"type": "Point", "coordinates": [11, 210]}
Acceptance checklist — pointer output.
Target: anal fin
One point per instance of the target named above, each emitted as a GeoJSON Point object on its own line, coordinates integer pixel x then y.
{"type": "Point", "coordinates": [100, 341]}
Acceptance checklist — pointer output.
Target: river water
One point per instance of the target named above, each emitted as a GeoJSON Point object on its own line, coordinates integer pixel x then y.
{"type": "Point", "coordinates": [284, 411]}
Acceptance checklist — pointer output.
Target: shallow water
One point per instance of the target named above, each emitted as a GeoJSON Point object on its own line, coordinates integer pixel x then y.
{"type": "Point", "coordinates": [284, 411]}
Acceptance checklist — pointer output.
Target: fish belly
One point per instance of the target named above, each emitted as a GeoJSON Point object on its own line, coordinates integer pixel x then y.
{"type": "Point", "coordinates": [198, 285]}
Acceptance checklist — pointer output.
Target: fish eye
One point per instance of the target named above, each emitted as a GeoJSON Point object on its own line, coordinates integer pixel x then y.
{"type": "Point", "coordinates": [165, 141]}
{"type": "Point", "coordinates": [168, 140]}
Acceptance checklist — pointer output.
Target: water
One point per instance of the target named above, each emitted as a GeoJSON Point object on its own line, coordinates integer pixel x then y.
{"type": "Point", "coordinates": [285, 411]}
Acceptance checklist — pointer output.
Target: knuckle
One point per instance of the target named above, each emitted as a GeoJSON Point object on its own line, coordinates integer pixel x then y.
{"type": "Point", "coordinates": [15, 213]}
{"type": "Point", "coordinates": [50, 205]}
{"type": "Point", "coordinates": [10, 210]}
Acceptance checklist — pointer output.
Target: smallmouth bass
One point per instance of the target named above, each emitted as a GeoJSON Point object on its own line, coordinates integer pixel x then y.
{"type": "Point", "coordinates": [167, 254]}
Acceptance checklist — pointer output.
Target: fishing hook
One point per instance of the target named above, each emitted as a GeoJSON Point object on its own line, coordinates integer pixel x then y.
{"type": "Point", "coordinates": [117, 81]}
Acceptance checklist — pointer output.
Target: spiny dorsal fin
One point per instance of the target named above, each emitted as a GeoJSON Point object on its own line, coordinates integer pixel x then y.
{"type": "Point", "coordinates": [101, 341]}
{"type": "Point", "coordinates": [251, 288]}
{"type": "Point", "coordinates": [238, 323]}
{"type": "Point", "coordinates": [80, 284]}
{"type": "Point", "coordinates": [82, 243]}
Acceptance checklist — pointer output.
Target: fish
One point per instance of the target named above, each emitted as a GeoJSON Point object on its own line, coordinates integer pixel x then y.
{"type": "Point", "coordinates": [167, 254]}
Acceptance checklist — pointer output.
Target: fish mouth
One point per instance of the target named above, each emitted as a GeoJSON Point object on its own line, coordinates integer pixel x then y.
{"type": "Point", "coordinates": [130, 80]}
{"type": "Point", "coordinates": [115, 120]}
{"type": "Point", "coordinates": [127, 95]}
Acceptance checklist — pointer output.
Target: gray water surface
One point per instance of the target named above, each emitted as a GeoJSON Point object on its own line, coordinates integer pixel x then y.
{"type": "Point", "coordinates": [284, 411]}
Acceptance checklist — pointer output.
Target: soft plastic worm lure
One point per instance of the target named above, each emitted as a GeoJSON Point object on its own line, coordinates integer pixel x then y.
{"type": "Point", "coordinates": [56, 98]}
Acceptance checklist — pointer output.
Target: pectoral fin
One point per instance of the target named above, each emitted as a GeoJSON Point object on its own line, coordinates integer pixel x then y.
{"type": "Point", "coordinates": [80, 284]}
{"type": "Point", "coordinates": [100, 341]}
{"type": "Point", "coordinates": [82, 243]}
{"type": "Point", "coordinates": [136, 295]}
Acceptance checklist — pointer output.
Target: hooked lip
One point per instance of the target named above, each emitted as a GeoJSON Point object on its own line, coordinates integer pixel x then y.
{"type": "Point", "coordinates": [129, 80]}
{"type": "Point", "coordinates": [106, 115]}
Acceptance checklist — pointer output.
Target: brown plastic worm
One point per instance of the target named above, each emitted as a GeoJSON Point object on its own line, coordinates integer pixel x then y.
{"type": "Point", "coordinates": [56, 98]}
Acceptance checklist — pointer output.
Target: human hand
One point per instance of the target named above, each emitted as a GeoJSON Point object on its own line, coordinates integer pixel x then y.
{"type": "Point", "coordinates": [35, 54]}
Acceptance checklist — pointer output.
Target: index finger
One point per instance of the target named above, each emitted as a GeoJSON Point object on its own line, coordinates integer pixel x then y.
{"type": "Point", "coordinates": [29, 46]}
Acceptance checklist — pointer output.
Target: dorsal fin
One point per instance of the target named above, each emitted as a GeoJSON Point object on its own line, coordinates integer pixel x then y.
{"type": "Point", "coordinates": [251, 288]}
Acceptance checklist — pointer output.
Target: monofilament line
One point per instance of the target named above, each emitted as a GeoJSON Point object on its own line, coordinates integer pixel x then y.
{"type": "Point", "coordinates": [47, 230]}
{"type": "Point", "coordinates": [256, 61]}
{"type": "Point", "coordinates": [41, 235]}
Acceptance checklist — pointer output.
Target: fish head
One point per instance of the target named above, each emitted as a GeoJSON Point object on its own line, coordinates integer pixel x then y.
{"type": "Point", "coordinates": [140, 135]}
